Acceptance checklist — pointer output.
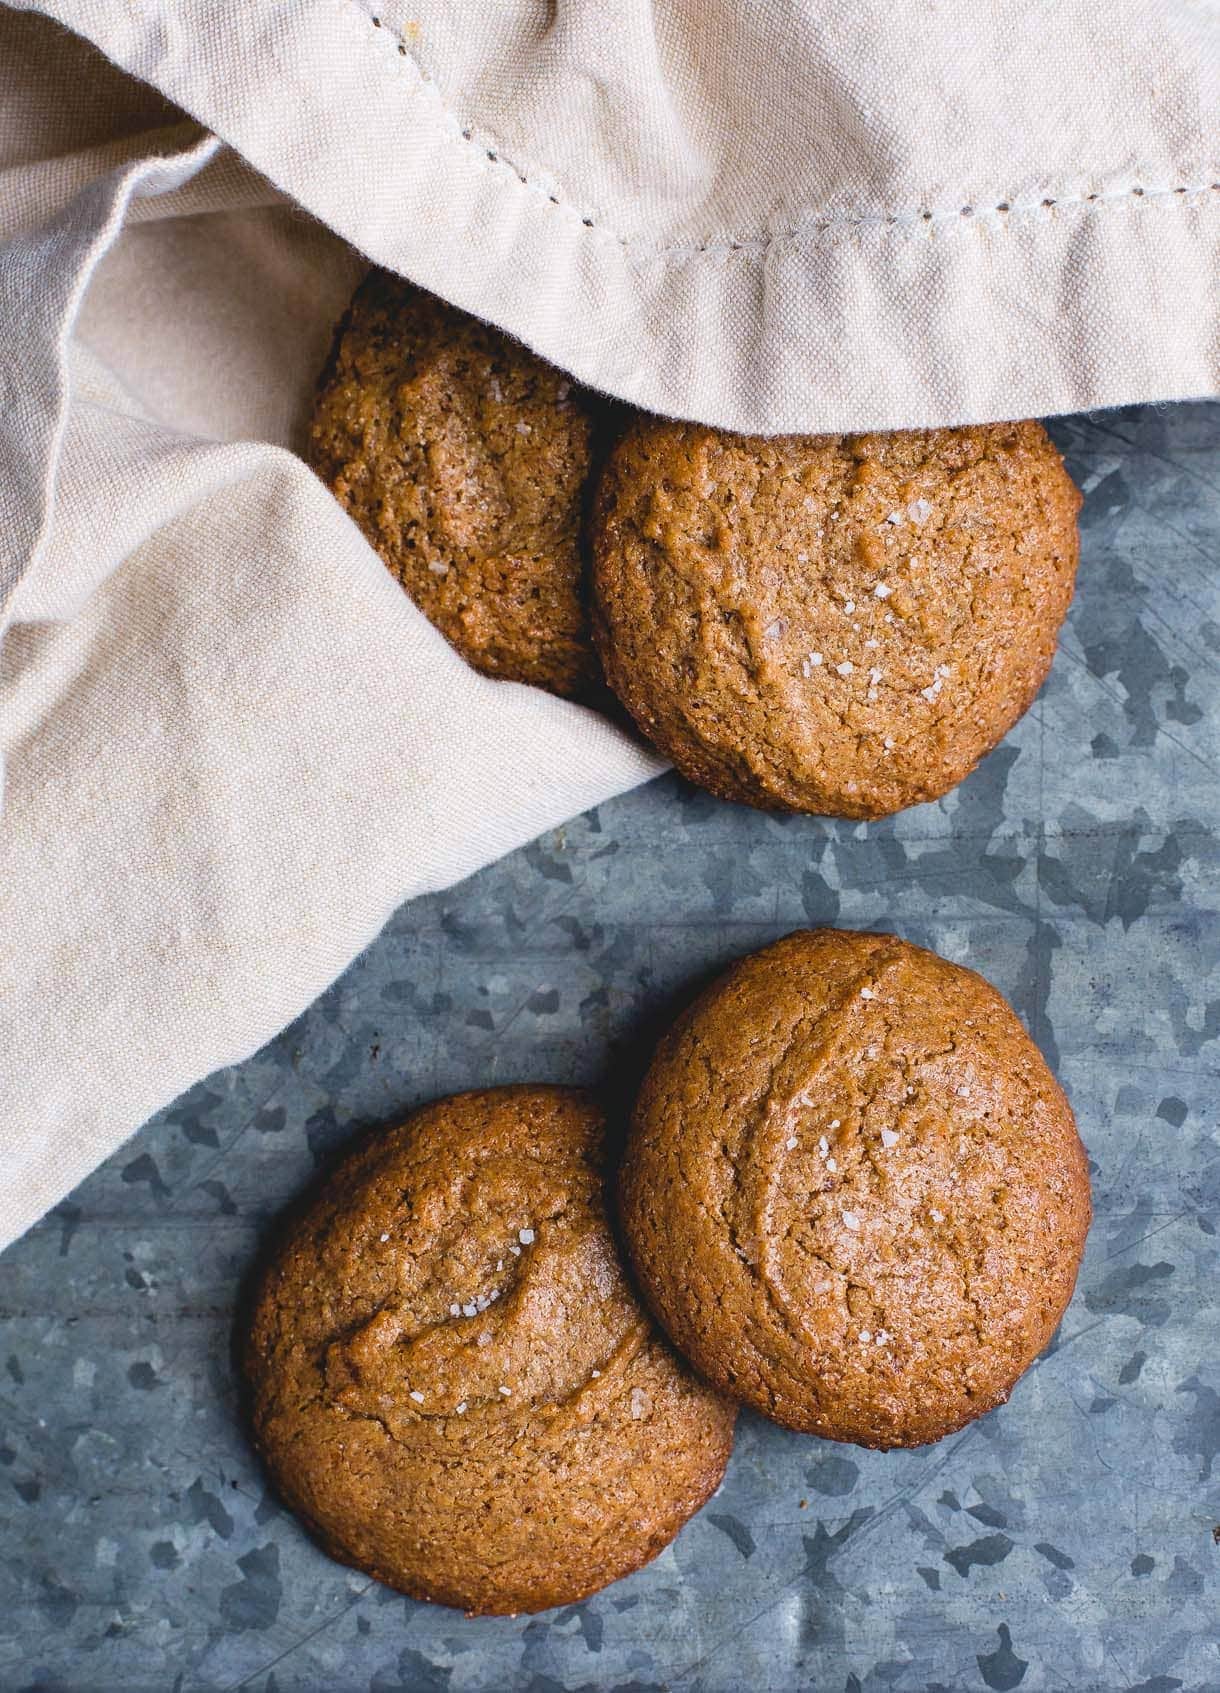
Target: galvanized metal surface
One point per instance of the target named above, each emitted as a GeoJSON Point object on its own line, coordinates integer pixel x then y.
{"type": "Point", "coordinates": [1066, 1541]}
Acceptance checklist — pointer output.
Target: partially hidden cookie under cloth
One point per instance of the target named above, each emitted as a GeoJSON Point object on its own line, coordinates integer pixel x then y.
{"type": "Point", "coordinates": [464, 459]}
{"type": "Point", "coordinates": [453, 1383]}
{"type": "Point", "coordinates": [853, 1191]}
{"type": "Point", "coordinates": [841, 624]}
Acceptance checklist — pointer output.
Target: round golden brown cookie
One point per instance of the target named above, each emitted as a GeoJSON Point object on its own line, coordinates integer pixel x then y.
{"type": "Point", "coordinates": [853, 1191]}
{"type": "Point", "coordinates": [464, 460]}
{"type": "Point", "coordinates": [834, 623]}
{"type": "Point", "coordinates": [454, 1384]}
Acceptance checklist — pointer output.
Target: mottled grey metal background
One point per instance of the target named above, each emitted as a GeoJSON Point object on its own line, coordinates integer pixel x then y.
{"type": "Point", "coordinates": [1067, 1541]}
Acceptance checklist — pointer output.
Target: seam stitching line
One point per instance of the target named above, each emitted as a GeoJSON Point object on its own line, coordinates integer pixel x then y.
{"type": "Point", "coordinates": [815, 222]}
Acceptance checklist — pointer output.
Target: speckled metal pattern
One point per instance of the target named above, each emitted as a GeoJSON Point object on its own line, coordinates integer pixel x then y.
{"type": "Point", "coordinates": [1067, 1541]}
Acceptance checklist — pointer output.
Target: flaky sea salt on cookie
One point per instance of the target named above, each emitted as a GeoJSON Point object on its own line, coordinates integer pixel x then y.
{"type": "Point", "coordinates": [832, 623]}
{"type": "Point", "coordinates": [853, 1192]}
{"type": "Point", "coordinates": [453, 1383]}
{"type": "Point", "coordinates": [464, 459]}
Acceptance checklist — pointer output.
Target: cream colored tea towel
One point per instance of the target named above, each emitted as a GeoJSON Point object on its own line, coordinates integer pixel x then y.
{"type": "Point", "coordinates": [769, 214]}
{"type": "Point", "coordinates": [231, 746]}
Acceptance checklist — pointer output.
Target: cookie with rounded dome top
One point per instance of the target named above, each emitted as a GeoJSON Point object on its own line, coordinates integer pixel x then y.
{"type": "Point", "coordinates": [453, 1382]}
{"type": "Point", "coordinates": [464, 459]}
{"type": "Point", "coordinates": [841, 624]}
{"type": "Point", "coordinates": [853, 1192]}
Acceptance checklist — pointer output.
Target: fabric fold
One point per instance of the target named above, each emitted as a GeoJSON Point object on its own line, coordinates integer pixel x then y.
{"type": "Point", "coordinates": [232, 745]}
{"type": "Point", "coordinates": [781, 218]}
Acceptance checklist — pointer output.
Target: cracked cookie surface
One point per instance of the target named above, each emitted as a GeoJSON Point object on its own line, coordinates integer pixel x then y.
{"type": "Point", "coordinates": [453, 1383]}
{"type": "Point", "coordinates": [841, 624]}
{"type": "Point", "coordinates": [464, 457]}
{"type": "Point", "coordinates": [853, 1192]}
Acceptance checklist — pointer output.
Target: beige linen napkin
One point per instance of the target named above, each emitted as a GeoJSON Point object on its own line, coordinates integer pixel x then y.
{"type": "Point", "coordinates": [231, 746]}
{"type": "Point", "coordinates": [783, 215]}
